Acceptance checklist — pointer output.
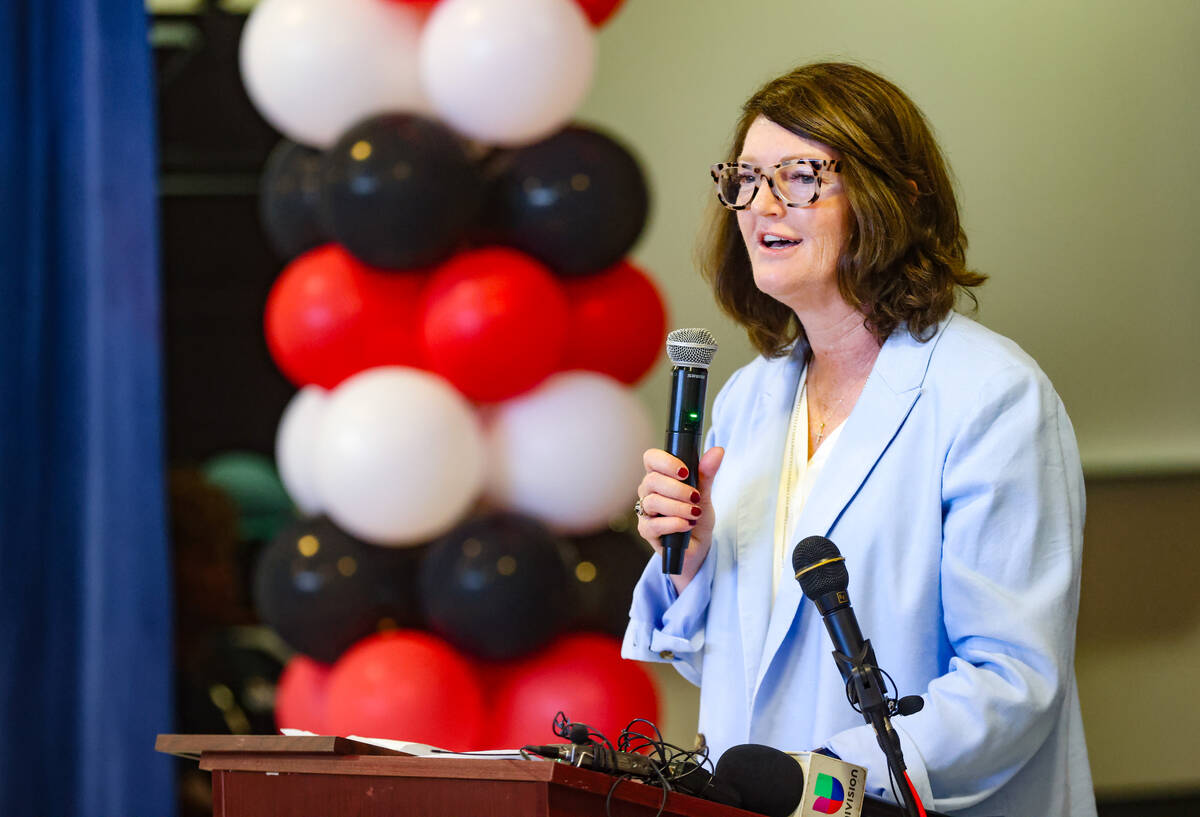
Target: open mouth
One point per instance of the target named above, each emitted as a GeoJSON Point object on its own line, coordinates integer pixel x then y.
{"type": "Point", "coordinates": [776, 242]}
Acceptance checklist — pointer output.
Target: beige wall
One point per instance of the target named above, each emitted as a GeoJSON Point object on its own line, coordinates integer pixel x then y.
{"type": "Point", "coordinates": [1138, 650]}
{"type": "Point", "coordinates": [1073, 129]}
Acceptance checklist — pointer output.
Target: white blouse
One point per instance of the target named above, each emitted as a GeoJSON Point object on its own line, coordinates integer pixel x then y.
{"type": "Point", "coordinates": [797, 479]}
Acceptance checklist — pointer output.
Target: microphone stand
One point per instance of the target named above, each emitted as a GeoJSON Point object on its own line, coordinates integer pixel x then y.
{"type": "Point", "coordinates": [863, 682]}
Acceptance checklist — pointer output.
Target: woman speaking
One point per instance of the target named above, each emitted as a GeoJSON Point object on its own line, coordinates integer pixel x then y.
{"type": "Point", "coordinates": [932, 451]}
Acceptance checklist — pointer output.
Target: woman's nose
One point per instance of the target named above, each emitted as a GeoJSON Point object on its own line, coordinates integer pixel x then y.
{"type": "Point", "coordinates": [766, 203]}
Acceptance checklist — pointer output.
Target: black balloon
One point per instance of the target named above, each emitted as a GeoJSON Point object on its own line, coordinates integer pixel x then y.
{"type": "Point", "coordinates": [576, 201]}
{"type": "Point", "coordinates": [321, 589]}
{"type": "Point", "coordinates": [399, 191]}
{"type": "Point", "coordinates": [290, 199]}
{"type": "Point", "coordinates": [498, 586]}
{"type": "Point", "coordinates": [609, 565]}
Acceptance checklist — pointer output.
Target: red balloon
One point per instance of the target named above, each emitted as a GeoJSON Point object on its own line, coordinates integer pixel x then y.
{"type": "Point", "coordinates": [582, 675]}
{"type": "Point", "coordinates": [330, 316]}
{"type": "Point", "coordinates": [391, 301]}
{"type": "Point", "coordinates": [598, 11]}
{"type": "Point", "coordinates": [406, 685]}
{"type": "Point", "coordinates": [300, 695]}
{"type": "Point", "coordinates": [493, 323]}
{"type": "Point", "coordinates": [423, 7]}
{"type": "Point", "coordinates": [617, 323]}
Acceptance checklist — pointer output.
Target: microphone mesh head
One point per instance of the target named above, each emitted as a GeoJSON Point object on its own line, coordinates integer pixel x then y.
{"type": "Point", "coordinates": [691, 347]}
{"type": "Point", "coordinates": [767, 780]}
{"type": "Point", "coordinates": [827, 578]}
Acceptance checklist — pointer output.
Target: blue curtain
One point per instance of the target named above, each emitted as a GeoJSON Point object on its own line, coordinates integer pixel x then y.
{"type": "Point", "coordinates": [85, 616]}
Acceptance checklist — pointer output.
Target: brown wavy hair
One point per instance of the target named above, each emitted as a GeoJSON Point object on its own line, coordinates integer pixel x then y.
{"type": "Point", "coordinates": [904, 262]}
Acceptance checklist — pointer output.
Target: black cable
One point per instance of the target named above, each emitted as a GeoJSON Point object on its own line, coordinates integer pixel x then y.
{"type": "Point", "coordinates": [881, 723]}
{"type": "Point", "coordinates": [629, 727]}
{"type": "Point", "coordinates": [593, 734]}
{"type": "Point", "coordinates": [670, 764]}
{"type": "Point", "coordinates": [662, 806]}
{"type": "Point", "coordinates": [561, 726]}
{"type": "Point", "coordinates": [892, 783]}
{"type": "Point", "coordinates": [611, 789]}
{"type": "Point", "coordinates": [882, 726]}
{"type": "Point", "coordinates": [666, 787]}
{"type": "Point", "coordinates": [887, 679]}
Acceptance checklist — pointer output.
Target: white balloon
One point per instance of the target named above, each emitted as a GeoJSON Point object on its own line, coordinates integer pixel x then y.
{"type": "Point", "coordinates": [294, 443]}
{"type": "Point", "coordinates": [313, 68]}
{"type": "Point", "coordinates": [507, 71]}
{"type": "Point", "coordinates": [569, 452]}
{"type": "Point", "coordinates": [400, 456]}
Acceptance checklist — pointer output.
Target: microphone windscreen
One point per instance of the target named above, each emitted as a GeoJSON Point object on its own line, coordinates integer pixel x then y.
{"type": "Point", "coordinates": [819, 567]}
{"type": "Point", "coordinates": [766, 780]}
{"type": "Point", "coordinates": [691, 347]}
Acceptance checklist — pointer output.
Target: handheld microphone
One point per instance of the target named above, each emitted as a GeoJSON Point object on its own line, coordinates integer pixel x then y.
{"type": "Point", "coordinates": [598, 757]}
{"type": "Point", "coordinates": [690, 351]}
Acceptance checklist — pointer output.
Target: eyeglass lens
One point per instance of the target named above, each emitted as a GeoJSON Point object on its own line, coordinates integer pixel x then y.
{"type": "Point", "coordinates": [796, 183]}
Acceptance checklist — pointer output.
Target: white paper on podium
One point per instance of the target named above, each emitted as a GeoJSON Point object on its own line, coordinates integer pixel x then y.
{"type": "Point", "coordinates": [419, 749]}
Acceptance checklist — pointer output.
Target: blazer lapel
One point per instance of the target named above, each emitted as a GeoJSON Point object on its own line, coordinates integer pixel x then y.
{"type": "Point", "coordinates": [887, 398]}
{"type": "Point", "coordinates": [756, 508]}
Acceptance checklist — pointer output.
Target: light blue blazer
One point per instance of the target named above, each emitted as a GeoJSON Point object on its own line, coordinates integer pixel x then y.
{"type": "Point", "coordinates": [956, 495]}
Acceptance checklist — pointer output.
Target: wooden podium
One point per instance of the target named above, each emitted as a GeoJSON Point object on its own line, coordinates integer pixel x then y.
{"type": "Point", "coordinates": [311, 776]}
{"type": "Point", "coordinates": [280, 776]}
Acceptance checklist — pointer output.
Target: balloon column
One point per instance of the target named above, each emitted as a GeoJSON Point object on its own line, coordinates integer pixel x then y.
{"type": "Point", "coordinates": [463, 325]}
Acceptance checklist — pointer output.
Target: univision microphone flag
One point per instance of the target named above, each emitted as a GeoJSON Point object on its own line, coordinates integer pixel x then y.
{"type": "Point", "coordinates": [831, 786]}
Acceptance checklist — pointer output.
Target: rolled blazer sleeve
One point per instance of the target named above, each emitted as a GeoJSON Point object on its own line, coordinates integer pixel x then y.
{"type": "Point", "coordinates": [1012, 505]}
{"type": "Point", "coordinates": [665, 626]}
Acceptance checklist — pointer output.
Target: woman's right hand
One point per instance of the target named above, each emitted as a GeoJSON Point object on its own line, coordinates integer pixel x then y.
{"type": "Point", "coordinates": [673, 506]}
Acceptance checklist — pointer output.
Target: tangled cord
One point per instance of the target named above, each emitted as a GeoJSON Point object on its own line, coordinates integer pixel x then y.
{"type": "Point", "coordinates": [673, 765]}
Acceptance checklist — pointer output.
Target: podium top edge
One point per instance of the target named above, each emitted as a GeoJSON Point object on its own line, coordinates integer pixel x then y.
{"type": "Point", "coordinates": [192, 746]}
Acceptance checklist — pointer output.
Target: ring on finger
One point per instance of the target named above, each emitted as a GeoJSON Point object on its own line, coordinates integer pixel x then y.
{"type": "Point", "coordinates": [639, 510]}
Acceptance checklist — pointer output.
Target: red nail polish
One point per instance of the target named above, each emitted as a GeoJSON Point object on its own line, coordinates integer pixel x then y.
{"type": "Point", "coordinates": [695, 496]}
{"type": "Point", "coordinates": [693, 521]}
{"type": "Point", "coordinates": [695, 511]}
{"type": "Point", "coordinates": [683, 472]}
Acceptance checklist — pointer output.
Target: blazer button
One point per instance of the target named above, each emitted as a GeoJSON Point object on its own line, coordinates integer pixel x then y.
{"type": "Point", "coordinates": [667, 654]}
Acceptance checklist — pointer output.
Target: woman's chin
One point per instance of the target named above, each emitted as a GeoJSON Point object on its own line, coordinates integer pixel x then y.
{"type": "Point", "coordinates": [800, 293]}
{"type": "Point", "coordinates": [778, 284]}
